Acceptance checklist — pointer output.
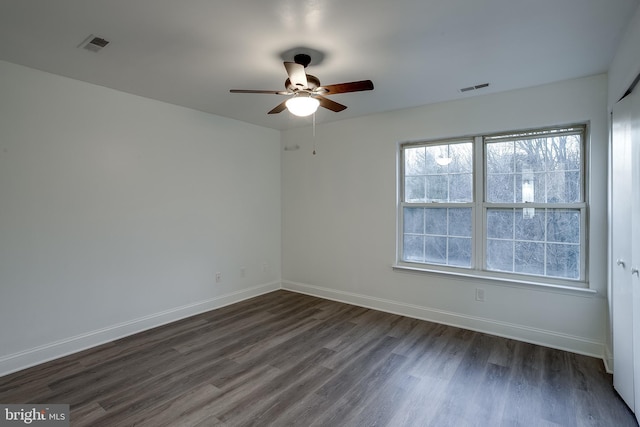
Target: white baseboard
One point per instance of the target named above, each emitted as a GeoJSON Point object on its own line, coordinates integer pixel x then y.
{"type": "Point", "coordinates": [608, 359]}
{"type": "Point", "coordinates": [18, 361]}
{"type": "Point", "coordinates": [44, 353]}
{"type": "Point", "coordinates": [531, 335]}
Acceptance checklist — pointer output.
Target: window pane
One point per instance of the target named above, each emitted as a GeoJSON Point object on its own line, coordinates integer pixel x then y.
{"type": "Point", "coordinates": [414, 189]}
{"type": "Point", "coordinates": [414, 161]}
{"type": "Point", "coordinates": [461, 188]}
{"type": "Point", "coordinates": [500, 255]}
{"type": "Point", "coordinates": [413, 248]}
{"type": "Point", "coordinates": [499, 157]}
{"type": "Point", "coordinates": [530, 155]}
{"type": "Point", "coordinates": [413, 220]}
{"type": "Point", "coordinates": [572, 154]}
{"type": "Point", "coordinates": [435, 155]}
{"type": "Point", "coordinates": [500, 188]}
{"type": "Point", "coordinates": [530, 187]}
{"type": "Point", "coordinates": [531, 226]}
{"type": "Point", "coordinates": [436, 250]}
{"type": "Point", "coordinates": [460, 222]}
{"type": "Point", "coordinates": [459, 253]}
{"type": "Point", "coordinates": [436, 221]}
{"type": "Point", "coordinates": [563, 187]}
{"type": "Point", "coordinates": [438, 235]}
{"type": "Point", "coordinates": [535, 242]}
{"type": "Point", "coordinates": [563, 261]}
{"type": "Point", "coordinates": [438, 173]}
{"type": "Point", "coordinates": [563, 153]}
{"type": "Point", "coordinates": [529, 258]}
{"type": "Point", "coordinates": [500, 223]}
{"type": "Point", "coordinates": [437, 188]}
{"type": "Point", "coordinates": [563, 226]}
{"type": "Point", "coordinates": [461, 158]}
{"type": "Point", "coordinates": [547, 170]}
{"type": "Point", "coordinates": [573, 187]}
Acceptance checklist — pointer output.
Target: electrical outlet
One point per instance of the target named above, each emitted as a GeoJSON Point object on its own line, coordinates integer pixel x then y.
{"type": "Point", "coordinates": [265, 267]}
{"type": "Point", "coordinates": [243, 271]}
{"type": "Point", "coordinates": [480, 294]}
{"type": "Point", "coordinates": [218, 277]}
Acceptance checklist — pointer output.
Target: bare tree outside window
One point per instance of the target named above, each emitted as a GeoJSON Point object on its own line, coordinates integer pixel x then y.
{"type": "Point", "coordinates": [534, 170]}
{"type": "Point", "coordinates": [437, 178]}
{"type": "Point", "coordinates": [532, 208]}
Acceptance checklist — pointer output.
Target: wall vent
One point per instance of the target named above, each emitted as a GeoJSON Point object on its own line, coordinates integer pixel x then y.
{"type": "Point", "coordinates": [476, 87]}
{"type": "Point", "coordinates": [93, 43]}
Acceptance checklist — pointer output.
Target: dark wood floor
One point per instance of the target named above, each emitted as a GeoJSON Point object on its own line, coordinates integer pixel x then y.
{"type": "Point", "coordinates": [285, 359]}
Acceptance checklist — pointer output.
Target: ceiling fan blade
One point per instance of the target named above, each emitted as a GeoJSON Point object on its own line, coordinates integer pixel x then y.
{"type": "Point", "coordinates": [296, 73]}
{"type": "Point", "coordinates": [279, 108]}
{"type": "Point", "coordinates": [347, 87]}
{"type": "Point", "coordinates": [270, 92]}
{"type": "Point", "coordinates": [329, 104]}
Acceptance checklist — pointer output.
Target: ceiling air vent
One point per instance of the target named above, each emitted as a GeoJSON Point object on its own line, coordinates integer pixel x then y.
{"type": "Point", "coordinates": [476, 87]}
{"type": "Point", "coordinates": [93, 43]}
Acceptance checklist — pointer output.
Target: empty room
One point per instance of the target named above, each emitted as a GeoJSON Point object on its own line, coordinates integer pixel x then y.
{"type": "Point", "coordinates": [314, 213]}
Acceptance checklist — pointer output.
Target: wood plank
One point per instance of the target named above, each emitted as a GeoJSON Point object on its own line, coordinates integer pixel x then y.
{"type": "Point", "coordinates": [287, 359]}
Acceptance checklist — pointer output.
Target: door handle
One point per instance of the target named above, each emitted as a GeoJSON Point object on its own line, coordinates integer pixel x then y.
{"type": "Point", "coordinates": [635, 271]}
{"type": "Point", "coordinates": [620, 262]}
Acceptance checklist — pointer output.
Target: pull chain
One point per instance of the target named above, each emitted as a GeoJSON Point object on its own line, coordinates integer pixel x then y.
{"type": "Point", "coordinates": [314, 134]}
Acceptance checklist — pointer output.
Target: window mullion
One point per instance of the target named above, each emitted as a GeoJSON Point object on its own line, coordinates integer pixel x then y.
{"type": "Point", "coordinates": [479, 221]}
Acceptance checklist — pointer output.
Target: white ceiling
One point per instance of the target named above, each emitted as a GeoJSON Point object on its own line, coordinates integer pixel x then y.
{"type": "Point", "coordinates": [416, 52]}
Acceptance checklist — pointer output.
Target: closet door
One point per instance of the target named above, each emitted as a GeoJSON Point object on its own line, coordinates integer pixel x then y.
{"type": "Point", "coordinates": [621, 251]}
{"type": "Point", "coordinates": [635, 237]}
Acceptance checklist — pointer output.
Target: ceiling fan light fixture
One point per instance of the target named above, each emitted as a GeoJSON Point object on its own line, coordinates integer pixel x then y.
{"type": "Point", "coordinates": [302, 106]}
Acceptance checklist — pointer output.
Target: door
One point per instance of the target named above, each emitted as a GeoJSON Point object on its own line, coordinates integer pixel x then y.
{"type": "Point", "coordinates": [622, 308]}
{"type": "Point", "coordinates": [625, 249]}
{"type": "Point", "coordinates": [635, 237]}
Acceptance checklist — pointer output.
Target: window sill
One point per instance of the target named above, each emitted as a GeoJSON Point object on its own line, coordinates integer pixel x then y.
{"type": "Point", "coordinates": [580, 289]}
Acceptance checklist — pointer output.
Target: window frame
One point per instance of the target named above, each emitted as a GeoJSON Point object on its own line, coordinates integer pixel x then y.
{"type": "Point", "coordinates": [480, 208]}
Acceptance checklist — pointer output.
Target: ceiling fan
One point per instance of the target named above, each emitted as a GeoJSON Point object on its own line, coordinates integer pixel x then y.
{"type": "Point", "coordinates": [305, 92]}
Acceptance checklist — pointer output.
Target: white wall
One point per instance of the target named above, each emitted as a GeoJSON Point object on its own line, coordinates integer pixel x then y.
{"type": "Point", "coordinates": [116, 211]}
{"type": "Point", "coordinates": [626, 61]}
{"type": "Point", "coordinates": [339, 216]}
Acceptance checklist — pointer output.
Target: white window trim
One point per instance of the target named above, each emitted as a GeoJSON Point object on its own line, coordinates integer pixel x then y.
{"type": "Point", "coordinates": [479, 209]}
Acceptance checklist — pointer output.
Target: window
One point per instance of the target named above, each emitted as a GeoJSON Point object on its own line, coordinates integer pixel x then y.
{"type": "Point", "coordinates": [504, 205]}
{"type": "Point", "coordinates": [438, 203]}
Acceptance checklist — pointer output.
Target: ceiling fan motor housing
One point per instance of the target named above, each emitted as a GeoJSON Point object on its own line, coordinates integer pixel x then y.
{"type": "Point", "coordinates": [312, 83]}
{"type": "Point", "coordinates": [302, 59]}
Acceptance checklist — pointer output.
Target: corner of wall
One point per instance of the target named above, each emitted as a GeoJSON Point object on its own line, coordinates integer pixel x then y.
{"type": "Point", "coordinates": [625, 65]}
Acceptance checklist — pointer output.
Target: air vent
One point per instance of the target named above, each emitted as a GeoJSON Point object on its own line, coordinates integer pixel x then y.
{"type": "Point", "coordinates": [93, 43]}
{"type": "Point", "coordinates": [476, 87]}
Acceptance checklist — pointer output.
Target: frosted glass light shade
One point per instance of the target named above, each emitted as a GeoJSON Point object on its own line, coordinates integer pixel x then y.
{"type": "Point", "coordinates": [302, 105]}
